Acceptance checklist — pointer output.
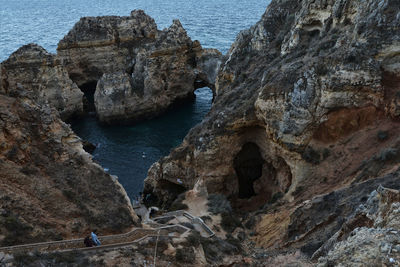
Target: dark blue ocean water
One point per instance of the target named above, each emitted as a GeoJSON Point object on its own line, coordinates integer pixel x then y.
{"type": "Point", "coordinates": [128, 152]}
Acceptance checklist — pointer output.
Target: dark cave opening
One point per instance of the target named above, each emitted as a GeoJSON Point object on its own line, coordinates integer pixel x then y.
{"type": "Point", "coordinates": [248, 165]}
{"type": "Point", "coordinates": [89, 89]}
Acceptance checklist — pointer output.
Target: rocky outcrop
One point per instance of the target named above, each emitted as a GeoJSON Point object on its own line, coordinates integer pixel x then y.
{"type": "Point", "coordinates": [162, 74]}
{"type": "Point", "coordinates": [32, 68]}
{"type": "Point", "coordinates": [156, 68]}
{"type": "Point", "coordinates": [98, 45]}
{"type": "Point", "coordinates": [297, 91]}
{"type": "Point", "coordinates": [374, 239]}
{"type": "Point", "coordinates": [208, 64]}
{"type": "Point", "coordinates": [305, 105]}
{"type": "Point", "coordinates": [49, 188]}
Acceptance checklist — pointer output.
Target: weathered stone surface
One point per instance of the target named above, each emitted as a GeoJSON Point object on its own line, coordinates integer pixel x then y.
{"type": "Point", "coordinates": [162, 65]}
{"type": "Point", "coordinates": [98, 45]}
{"type": "Point", "coordinates": [309, 84]}
{"type": "Point", "coordinates": [49, 186]}
{"type": "Point", "coordinates": [208, 64]}
{"type": "Point", "coordinates": [162, 75]}
{"type": "Point", "coordinates": [373, 241]}
{"type": "Point", "coordinates": [32, 68]}
{"type": "Point", "coordinates": [314, 86]}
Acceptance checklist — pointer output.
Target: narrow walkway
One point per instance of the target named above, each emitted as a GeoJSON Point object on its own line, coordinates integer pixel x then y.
{"type": "Point", "coordinates": [114, 241]}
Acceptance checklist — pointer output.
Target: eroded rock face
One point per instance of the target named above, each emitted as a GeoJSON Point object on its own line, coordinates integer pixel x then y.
{"type": "Point", "coordinates": [373, 240]}
{"type": "Point", "coordinates": [49, 188]}
{"type": "Point", "coordinates": [285, 82]}
{"type": "Point", "coordinates": [32, 68]}
{"type": "Point", "coordinates": [162, 74]}
{"type": "Point", "coordinates": [161, 66]}
{"type": "Point", "coordinates": [312, 85]}
{"type": "Point", "coordinates": [98, 45]}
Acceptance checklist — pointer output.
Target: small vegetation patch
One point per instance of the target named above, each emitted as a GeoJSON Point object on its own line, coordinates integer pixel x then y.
{"type": "Point", "coordinates": [215, 249]}
{"type": "Point", "coordinates": [178, 203]}
{"type": "Point", "coordinates": [194, 239]}
{"type": "Point", "coordinates": [311, 156]}
{"type": "Point", "coordinates": [229, 223]}
{"type": "Point", "coordinates": [206, 218]}
{"type": "Point", "coordinates": [218, 203]}
{"type": "Point", "coordinates": [275, 197]}
{"type": "Point", "coordinates": [28, 170]}
{"type": "Point", "coordinates": [321, 69]}
{"type": "Point", "coordinates": [185, 255]}
{"type": "Point", "coordinates": [382, 135]}
{"type": "Point", "coordinates": [73, 258]}
{"type": "Point", "coordinates": [388, 154]}
{"type": "Point", "coordinates": [298, 190]}
{"type": "Point", "coordinates": [12, 154]}
{"type": "Point", "coordinates": [17, 231]}
{"type": "Point", "coordinates": [234, 241]}
{"type": "Point", "coordinates": [314, 156]}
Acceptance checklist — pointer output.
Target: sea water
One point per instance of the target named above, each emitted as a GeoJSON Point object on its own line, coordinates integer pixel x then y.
{"type": "Point", "coordinates": [129, 151]}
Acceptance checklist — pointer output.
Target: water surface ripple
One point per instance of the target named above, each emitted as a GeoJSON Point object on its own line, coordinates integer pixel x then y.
{"type": "Point", "coordinates": [128, 152]}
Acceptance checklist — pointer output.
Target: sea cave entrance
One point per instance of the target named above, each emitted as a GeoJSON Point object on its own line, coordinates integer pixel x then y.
{"type": "Point", "coordinates": [89, 88]}
{"type": "Point", "coordinates": [260, 181]}
{"type": "Point", "coordinates": [248, 165]}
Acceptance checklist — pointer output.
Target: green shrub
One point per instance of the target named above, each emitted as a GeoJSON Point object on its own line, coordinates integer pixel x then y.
{"type": "Point", "coordinates": [321, 69]}
{"type": "Point", "coordinates": [388, 154]}
{"type": "Point", "coordinates": [382, 135]}
{"type": "Point", "coordinates": [233, 241]}
{"type": "Point", "coordinates": [12, 154]}
{"type": "Point", "coordinates": [28, 170]}
{"type": "Point", "coordinates": [311, 156]}
{"type": "Point", "coordinates": [18, 232]}
{"type": "Point", "coordinates": [177, 204]}
{"type": "Point", "coordinates": [326, 153]}
{"type": "Point", "coordinates": [68, 194]}
{"type": "Point", "coordinates": [206, 218]}
{"type": "Point", "coordinates": [218, 203]}
{"type": "Point", "coordinates": [194, 239]}
{"type": "Point", "coordinates": [23, 259]}
{"type": "Point", "coordinates": [185, 255]}
{"type": "Point", "coordinates": [229, 222]}
{"type": "Point", "coordinates": [298, 190]}
{"type": "Point", "coordinates": [275, 197]}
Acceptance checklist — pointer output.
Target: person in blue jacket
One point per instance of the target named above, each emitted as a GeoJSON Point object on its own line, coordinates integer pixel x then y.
{"type": "Point", "coordinates": [95, 239]}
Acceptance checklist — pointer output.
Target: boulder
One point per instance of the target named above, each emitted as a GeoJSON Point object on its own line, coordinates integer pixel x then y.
{"type": "Point", "coordinates": [32, 69]}
{"type": "Point", "coordinates": [312, 85]}
{"type": "Point", "coordinates": [50, 188]}
{"type": "Point", "coordinates": [161, 66]}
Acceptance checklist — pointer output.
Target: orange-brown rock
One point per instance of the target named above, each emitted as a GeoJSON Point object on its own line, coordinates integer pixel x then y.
{"type": "Point", "coordinates": [312, 89]}
{"type": "Point", "coordinates": [32, 69]}
{"type": "Point", "coordinates": [135, 71]}
{"type": "Point", "coordinates": [49, 187]}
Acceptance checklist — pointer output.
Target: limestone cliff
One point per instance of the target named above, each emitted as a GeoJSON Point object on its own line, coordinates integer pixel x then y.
{"type": "Point", "coordinates": [139, 71]}
{"type": "Point", "coordinates": [306, 103]}
{"type": "Point", "coordinates": [32, 68]}
{"type": "Point", "coordinates": [49, 187]}
{"type": "Point", "coordinates": [371, 237]}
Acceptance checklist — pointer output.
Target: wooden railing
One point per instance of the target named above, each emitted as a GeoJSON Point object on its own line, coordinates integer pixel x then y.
{"type": "Point", "coordinates": [111, 241]}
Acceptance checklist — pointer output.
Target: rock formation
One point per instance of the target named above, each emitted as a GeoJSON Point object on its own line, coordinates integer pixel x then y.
{"type": "Point", "coordinates": [306, 103]}
{"type": "Point", "coordinates": [32, 68]}
{"type": "Point", "coordinates": [303, 128]}
{"type": "Point", "coordinates": [139, 70]}
{"type": "Point", "coordinates": [371, 236]}
{"type": "Point", "coordinates": [49, 188]}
